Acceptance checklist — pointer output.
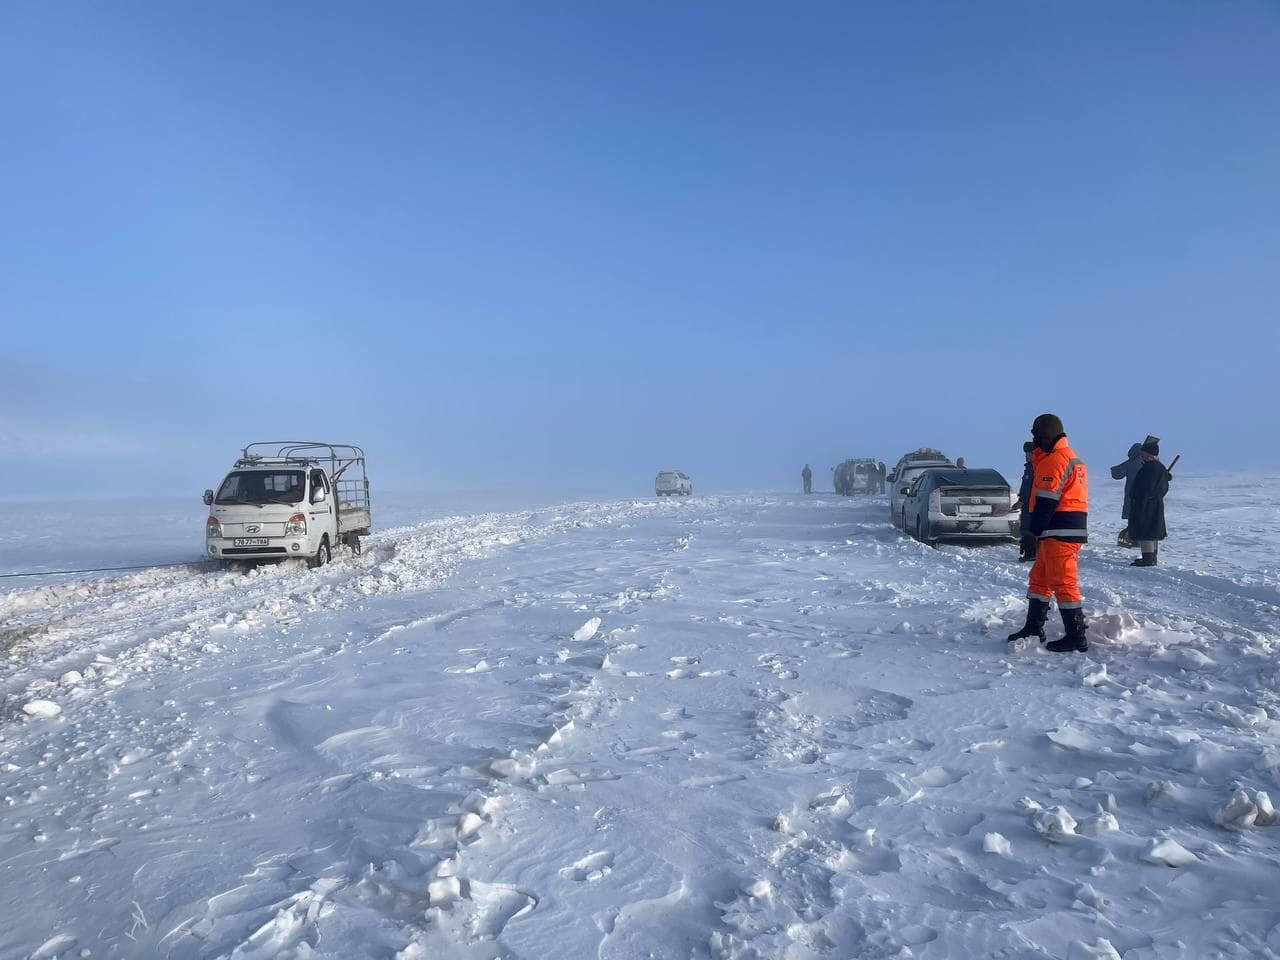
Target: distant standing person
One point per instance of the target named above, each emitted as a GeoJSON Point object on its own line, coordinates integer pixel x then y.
{"type": "Point", "coordinates": [1126, 471]}
{"type": "Point", "coordinates": [1146, 512]}
{"type": "Point", "coordinates": [807, 476]}
{"type": "Point", "coordinates": [881, 473]}
{"type": "Point", "coordinates": [1059, 519]}
{"type": "Point", "coordinates": [1029, 542]}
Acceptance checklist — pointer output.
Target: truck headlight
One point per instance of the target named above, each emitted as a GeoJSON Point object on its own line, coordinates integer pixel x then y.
{"type": "Point", "coordinates": [296, 527]}
{"type": "Point", "coordinates": [213, 528]}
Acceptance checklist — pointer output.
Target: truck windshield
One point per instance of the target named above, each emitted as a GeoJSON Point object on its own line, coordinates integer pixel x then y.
{"type": "Point", "coordinates": [262, 486]}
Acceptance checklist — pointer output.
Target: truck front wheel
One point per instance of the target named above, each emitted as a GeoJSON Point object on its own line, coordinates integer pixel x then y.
{"type": "Point", "coordinates": [323, 554]}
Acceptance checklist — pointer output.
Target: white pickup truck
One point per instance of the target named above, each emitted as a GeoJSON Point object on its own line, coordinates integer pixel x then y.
{"type": "Point", "coordinates": [290, 499]}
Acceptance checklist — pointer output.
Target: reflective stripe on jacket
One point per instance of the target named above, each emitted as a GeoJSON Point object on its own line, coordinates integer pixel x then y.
{"type": "Point", "coordinates": [1059, 495]}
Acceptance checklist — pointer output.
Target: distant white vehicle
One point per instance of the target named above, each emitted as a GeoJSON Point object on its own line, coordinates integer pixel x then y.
{"type": "Point", "coordinates": [910, 466]}
{"type": "Point", "coordinates": [289, 499]}
{"type": "Point", "coordinates": [673, 483]}
{"type": "Point", "coordinates": [855, 476]}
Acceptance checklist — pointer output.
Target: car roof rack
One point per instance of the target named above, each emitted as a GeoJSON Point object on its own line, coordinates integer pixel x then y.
{"type": "Point", "coordinates": [339, 456]}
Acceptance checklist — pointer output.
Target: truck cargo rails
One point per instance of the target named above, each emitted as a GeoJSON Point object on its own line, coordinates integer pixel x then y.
{"type": "Point", "coordinates": [290, 498]}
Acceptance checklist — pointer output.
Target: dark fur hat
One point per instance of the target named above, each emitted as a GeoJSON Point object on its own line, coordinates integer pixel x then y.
{"type": "Point", "coordinates": [1048, 426]}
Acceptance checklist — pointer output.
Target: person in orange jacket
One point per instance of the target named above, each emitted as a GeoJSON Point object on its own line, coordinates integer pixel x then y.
{"type": "Point", "coordinates": [1059, 519]}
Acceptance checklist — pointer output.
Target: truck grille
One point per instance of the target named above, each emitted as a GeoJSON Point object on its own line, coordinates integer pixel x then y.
{"type": "Point", "coordinates": [245, 551]}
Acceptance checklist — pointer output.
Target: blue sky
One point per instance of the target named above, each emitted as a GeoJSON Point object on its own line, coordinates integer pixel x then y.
{"type": "Point", "coordinates": [563, 245]}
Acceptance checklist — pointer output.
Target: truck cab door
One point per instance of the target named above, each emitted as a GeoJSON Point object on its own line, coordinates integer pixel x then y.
{"type": "Point", "coordinates": [320, 508]}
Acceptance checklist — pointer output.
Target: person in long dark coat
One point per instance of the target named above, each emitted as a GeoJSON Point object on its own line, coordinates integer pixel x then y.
{"type": "Point", "coordinates": [1127, 471]}
{"type": "Point", "coordinates": [1146, 507]}
{"type": "Point", "coordinates": [1029, 543]}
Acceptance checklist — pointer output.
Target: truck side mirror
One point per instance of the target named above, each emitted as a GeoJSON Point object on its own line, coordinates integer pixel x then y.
{"type": "Point", "coordinates": [905, 491]}
{"type": "Point", "coordinates": [208, 498]}
{"type": "Point", "coordinates": [318, 495]}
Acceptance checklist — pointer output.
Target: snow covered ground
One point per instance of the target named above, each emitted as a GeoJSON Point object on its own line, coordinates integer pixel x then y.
{"type": "Point", "coordinates": [730, 727]}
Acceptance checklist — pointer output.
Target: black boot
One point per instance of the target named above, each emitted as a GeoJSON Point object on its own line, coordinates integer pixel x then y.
{"type": "Point", "coordinates": [1037, 614]}
{"type": "Point", "coordinates": [1146, 560]}
{"type": "Point", "coordinates": [1075, 639]}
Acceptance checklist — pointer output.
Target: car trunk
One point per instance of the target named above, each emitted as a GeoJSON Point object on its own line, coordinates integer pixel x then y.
{"type": "Point", "coordinates": [974, 501]}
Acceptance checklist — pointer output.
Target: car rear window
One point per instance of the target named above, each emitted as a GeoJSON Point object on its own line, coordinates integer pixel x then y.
{"type": "Point", "coordinates": [969, 478]}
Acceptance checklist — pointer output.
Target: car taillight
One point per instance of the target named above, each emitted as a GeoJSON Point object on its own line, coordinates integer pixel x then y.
{"type": "Point", "coordinates": [296, 527]}
{"type": "Point", "coordinates": [935, 502]}
{"type": "Point", "coordinates": [213, 528]}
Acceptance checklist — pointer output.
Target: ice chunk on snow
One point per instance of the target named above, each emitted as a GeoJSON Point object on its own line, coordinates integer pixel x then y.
{"type": "Point", "coordinates": [512, 769]}
{"type": "Point", "coordinates": [54, 946]}
{"type": "Point", "coordinates": [997, 844]}
{"type": "Point", "coordinates": [1240, 813]}
{"type": "Point", "coordinates": [1100, 949]}
{"type": "Point", "coordinates": [41, 709]}
{"type": "Point", "coordinates": [1086, 894]}
{"type": "Point", "coordinates": [1234, 716]}
{"type": "Point", "coordinates": [1267, 815]}
{"type": "Point", "coordinates": [587, 630]}
{"type": "Point", "coordinates": [1245, 810]}
{"type": "Point", "coordinates": [1056, 825]}
{"type": "Point", "coordinates": [71, 678]}
{"type": "Point", "coordinates": [1168, 853]}
{"type": "Point", "coordinates": [1104, 822]}
{"type": "Point", "coordinates": [469, 824]}
{"type": "Point", "coordinates": [444, 890]}
{"type": "Point", "coordinates": [1093, 674]}
{"type": "Point", "coordinates": [1189, 658]}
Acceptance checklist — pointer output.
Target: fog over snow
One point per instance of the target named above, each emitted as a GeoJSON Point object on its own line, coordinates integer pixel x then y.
{"type": "Point", "coordinates": [555, 251]}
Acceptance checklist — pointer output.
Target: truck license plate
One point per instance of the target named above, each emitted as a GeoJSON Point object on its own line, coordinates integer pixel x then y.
{"type": "Point", "coordinates": [972, 508]}
{"type": "Point", "coordinates": [250, 541]}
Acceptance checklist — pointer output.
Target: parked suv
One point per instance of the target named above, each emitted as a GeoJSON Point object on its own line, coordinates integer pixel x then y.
{"type": "Point", "coordinates": [673, 483]}
{"type": "Point", "coordinates": [904, 472]}
{"type": "Point", "coordinates": [958, 504]}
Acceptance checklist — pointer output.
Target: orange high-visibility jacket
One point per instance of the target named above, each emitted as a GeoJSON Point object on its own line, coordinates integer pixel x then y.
{"type": "Point", "coordinates": [1059, 508]}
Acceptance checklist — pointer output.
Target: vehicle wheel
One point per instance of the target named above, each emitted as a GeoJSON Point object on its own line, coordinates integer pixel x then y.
{"type": "Point", "coordinates": [352, 540]}
{"type": "Point", "coordinates": [922, 531]}
{"type": "Point", "coordinates": [323, 554]}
